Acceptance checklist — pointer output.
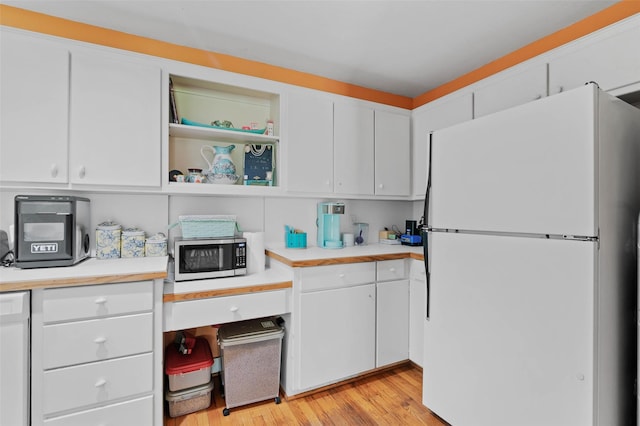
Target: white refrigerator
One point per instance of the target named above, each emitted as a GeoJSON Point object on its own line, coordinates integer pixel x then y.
{"type": "Point", "coordinates": [530, 256]}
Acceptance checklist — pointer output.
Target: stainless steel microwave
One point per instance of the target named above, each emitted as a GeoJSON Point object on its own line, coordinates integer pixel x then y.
{"type": "Point", "coordinates": [202, 258]}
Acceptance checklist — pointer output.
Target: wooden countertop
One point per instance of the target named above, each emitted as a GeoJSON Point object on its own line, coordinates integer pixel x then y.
{"type": "Point", "coordinates": [315, 256]}
{"type": "Point", "coordinates": [87, 272]}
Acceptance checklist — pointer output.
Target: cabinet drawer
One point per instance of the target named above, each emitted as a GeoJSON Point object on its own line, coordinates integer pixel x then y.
{"type": "Point", "coordinates": [137, 412]}
{"type": "Point", "coordinates": [95, 340]}
{"type": "Point", "coordinates": [387, 270]}
{"type": "Point", "coordinates": [218, 310]}
{"type": "Point", "coordinates": [70, 303]}
{"type": "Point", "coordinates": [98, 382]}
{"type": "Point", "coordinates": [337, 276]}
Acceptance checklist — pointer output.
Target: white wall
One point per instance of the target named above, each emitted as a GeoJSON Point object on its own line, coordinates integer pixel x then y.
{"type": "Point", "coordinates": [154, 213]}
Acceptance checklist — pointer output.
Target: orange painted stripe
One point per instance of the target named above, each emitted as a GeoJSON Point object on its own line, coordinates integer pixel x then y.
{"type": "Point", "coordinates": [37, 22]}
{"type": "Point", "coordinates": [605, 17]}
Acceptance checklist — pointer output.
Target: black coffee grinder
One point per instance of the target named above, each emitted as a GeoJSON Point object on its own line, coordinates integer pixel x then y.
{"type": "Point", "coordinates": [411, 236]}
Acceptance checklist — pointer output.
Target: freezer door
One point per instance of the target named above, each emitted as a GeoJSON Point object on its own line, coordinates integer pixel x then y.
{"type": "Point", "coordinates": [528, 169]}
{"type": "Point", "coordinates": [509, 340]}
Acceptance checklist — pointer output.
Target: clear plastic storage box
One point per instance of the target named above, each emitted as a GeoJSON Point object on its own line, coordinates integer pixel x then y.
{"type": "Point", "coordinates": [189, 400]}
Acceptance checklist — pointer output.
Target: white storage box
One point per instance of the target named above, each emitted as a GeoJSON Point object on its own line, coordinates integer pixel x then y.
{"type": "Point", "coordinates": [186, 371]}
{"type": "Point", "coordinates": [251, 353]}
{"type": "Point", "coordinates": [189, 400]}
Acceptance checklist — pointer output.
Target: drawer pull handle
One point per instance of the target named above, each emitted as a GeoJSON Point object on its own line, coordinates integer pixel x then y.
{"type": "Point", "coordinates": [100, 383]}
{"type": "Point", "coordinates": [234, 309]}
{"type": "Point", "coordinates": [341, 275]}
{"type": "Point", "coordinates": [101, 300]}
{"type": "Point", "coordinates": [99, 340]}
{"type": "Point", "coordinates": [392, 269]}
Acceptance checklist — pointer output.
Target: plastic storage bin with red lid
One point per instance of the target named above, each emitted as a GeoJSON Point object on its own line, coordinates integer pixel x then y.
{"type": "Point", "coordinates": [185, 371]}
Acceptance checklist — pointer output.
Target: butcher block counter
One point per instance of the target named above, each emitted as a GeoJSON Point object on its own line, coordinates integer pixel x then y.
{"type": "Point", "coordinates": [315, 256]}
{"type": "Point", "coordinates": [90, 271]}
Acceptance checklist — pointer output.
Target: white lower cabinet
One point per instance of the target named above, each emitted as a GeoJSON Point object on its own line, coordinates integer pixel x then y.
{"type": "Point", "coordinates": [417, 304]}
{"type": "Point", "coordinates": [97, 354]}
{"type": "Point", "coordinates": [392, 312]}
{"type": "Point", "coordinates": [343, 323]}
{"type": "Point", "coordinates": [337, 334]}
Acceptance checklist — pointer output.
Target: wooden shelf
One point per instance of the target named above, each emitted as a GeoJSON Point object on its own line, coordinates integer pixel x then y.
{"type": "Point", "coordinates": [206, 133]}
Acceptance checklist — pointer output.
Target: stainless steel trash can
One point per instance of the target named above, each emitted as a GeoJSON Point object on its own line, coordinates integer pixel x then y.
{"type": "Point", "coordinates": [251, 352]}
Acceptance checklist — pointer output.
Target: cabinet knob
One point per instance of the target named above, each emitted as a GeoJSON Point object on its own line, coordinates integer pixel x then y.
{"type": "Point", "coordinates": [341, 275]}
{"type": "Point", "coordinates": [54, 170]}
{"type": "Point", "coordinates": [381, 186]}
{"type": "Point", "coordinates": [392, 269]}
{"type": "Point", "coordinates": [101, 300]}
{"type": "Point", "coordinates": [99, 340]}
{"type": "Point", "coordinates": [233, 309]}
{"type": "Point", "coordinates": [328, 182]}
{"type": "Point", "coordinates": [560, 89]}
{"type": "Point", "coordinates": [100, 383]}
{"type": "Point", "coordinates": [82, 172]}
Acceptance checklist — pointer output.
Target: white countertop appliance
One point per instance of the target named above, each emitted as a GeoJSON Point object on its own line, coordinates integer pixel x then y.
{"type": "Point", "coordinates": [51, 230]}
{"type": "Point", "coordinates": [530, 214]}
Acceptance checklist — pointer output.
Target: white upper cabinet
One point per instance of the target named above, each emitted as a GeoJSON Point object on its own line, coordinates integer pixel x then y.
{"type": "Point", "coordinates": [115, 121]}
{"type": "Point", "coordinates": [511, 90]}
{"type": "Point", "coordinates": [438, 114]}
{"type": "Point", "coordinates": [310, 144]}
{"type": "Point", "coordinates": [612, 62]}
{"type": "Point", "coordinates": [34, 99]}
{"type": "Point", "coordinates": [392, 156]}
{"type": "Point", "coordinates": [353, 151]}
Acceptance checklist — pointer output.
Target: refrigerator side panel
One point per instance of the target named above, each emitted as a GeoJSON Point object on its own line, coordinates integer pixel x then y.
{"type": "Point", "coordinates": [509, 340]}
{"type": "Point", "coordinates": [618, 129]}
{"type": "Point", "coordinates": [528, 169]}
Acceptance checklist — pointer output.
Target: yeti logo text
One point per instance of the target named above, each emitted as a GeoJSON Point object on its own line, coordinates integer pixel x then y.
{"type": "Point", "coordinates": [44, 248]}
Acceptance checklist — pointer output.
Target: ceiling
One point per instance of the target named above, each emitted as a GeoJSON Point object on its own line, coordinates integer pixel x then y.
{"type": "Point", "coordinates": [401, 47]}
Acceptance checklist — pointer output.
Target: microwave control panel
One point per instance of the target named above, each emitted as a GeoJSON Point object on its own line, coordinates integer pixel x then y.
{"type": "Point", "coordinates": [241, 255]}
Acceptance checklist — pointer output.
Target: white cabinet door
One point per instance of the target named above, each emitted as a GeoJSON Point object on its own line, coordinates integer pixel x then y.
{"type": "Point", "coordinates": [436, 115]}
{"type": "Point", "coordinates": [337, 334]}
{"type": "Point", "coordinates": [34, 96]}
{"type": "Point", "coordinates": [392, 331]}
{"type": "Point", "coordinates": [392, 158]}
{"type": "Point", "coordinates": [515, 89]}
{"type": "Point", "coordinates": [417, 305]}
{"type": "Point", "coordinates": [612, 62]}
{"type": "Point", "coordinates": [310, 144]}
{"type": "Point", "coordinates": [353, 149]}
{"type": "Point", "coordinates": [115, 121]}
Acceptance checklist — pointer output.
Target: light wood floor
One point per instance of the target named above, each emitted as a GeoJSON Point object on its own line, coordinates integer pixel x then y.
{"type": "Point", "coordinates": [392, 397]}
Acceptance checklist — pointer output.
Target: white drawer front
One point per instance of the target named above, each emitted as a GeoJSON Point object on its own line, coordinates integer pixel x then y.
{"type": "Point", "coordinates": [70, 303]}
{"type": "Point", "coordinates": [94, 340]}
{"type": "Point", "coordinates": [98, 382]}
{"type": "Point", "coordinates": [337, 276]}
{"type": "Point", "coordinates": [137, 412]}
{"type": "Point", "coordinates": [388, 270]}
{"type": "Point", "coordinates": [218, 310]}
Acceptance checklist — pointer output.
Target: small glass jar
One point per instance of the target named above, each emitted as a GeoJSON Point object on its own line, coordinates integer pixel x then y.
{"type": "Point", "coordinates": [132, 242]}
{"type": "Point", "coordinates": [156, 245]}
{"type": "Point", "coordinates": [108, 235]}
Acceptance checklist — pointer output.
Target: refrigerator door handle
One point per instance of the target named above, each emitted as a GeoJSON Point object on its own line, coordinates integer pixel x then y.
{"type": "Point", "coordinates": [425, 235]}
{"type": "Point", "coordinates": [425, 239]}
